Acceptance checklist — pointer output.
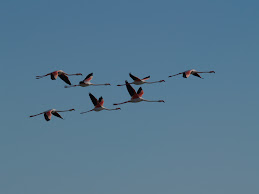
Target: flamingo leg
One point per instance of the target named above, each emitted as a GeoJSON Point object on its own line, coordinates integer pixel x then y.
{"type": "Point", "coordinates": [41, 76]}
{"type": "Point", "coordinates": [71, 86]}
{"type": "Point", "coordinates": [175, 74]}
{"type": "Point", "coordinates": [86, 111]}
{"type": "Point", "coordinates": [125, 84]}
{"type": "Point", "coordinates": [121, 103]}
{"type": "Point", "coordinates": [36, 114]}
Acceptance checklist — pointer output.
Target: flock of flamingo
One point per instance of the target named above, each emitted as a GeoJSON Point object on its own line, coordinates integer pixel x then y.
{"type": "Point", "coordinates": [98, 104]}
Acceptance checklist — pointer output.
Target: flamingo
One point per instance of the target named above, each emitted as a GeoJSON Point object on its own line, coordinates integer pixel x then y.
{"type": "Point", "coordinates": [136, 96]}
{"type": "Point", "coordinates": [98, 104]}
{"type": "Point", "coordinates": [86, 82]}
{"type": "Point", "coordinates": [187, 73]}
{"type": "Point", "coordinates": [138, 81]}
{"type": "Point", "coordinates": [49, 113]}
{"type": "Point", "coordinates": [62, 75]}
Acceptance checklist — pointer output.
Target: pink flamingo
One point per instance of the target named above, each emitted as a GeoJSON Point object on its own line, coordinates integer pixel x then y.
{"type": "Point", "coordinates": [86, 82]}
{"type": "Point", "coordinates": [187, 73]}
{"type": "Point", "coordinates": [49, 113]}
{"type": "Point", "coordinates": [136, 96]}
{"type": "Point", "coordinates": [138, 81]}
{"type": "Point", "coordinates": [98, 104]}
{"type": "Point", "coordinates": [61, 74]}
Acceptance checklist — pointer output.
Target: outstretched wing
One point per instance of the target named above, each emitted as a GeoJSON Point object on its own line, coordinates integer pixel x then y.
{"type": "Point", "coordinates": [65, 78]}
{"type": "Point", "coordinates": [57, 115]}
{"type": "Point", "coordinates": [134, 77]}
{"type": "Point", "coordinates": [146, 78]}
{"type": "Point", "coordinates": [54, 75]}
{"type": "Point", "coordinates": [47, 116]}
{"type": "Point", "coordinates": [101, 101]}
{"type": "Point", "coordinates": [130, 89]}
{"type": "Point", "coordinates": [197, 75]}
{"type": "Point", "coordinates": [186, 74]}
{"type": "Point", "coordinates": [94, 100]}
{"type": "Point", "coordinates": [140, 92]}
{"type": "Point", "coordinates": [88, 78]}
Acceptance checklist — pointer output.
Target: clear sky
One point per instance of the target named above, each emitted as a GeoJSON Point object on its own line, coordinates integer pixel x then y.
{"type": "Point", "coordinates": [204, 139]}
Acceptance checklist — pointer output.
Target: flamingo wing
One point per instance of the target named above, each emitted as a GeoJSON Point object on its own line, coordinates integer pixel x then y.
{"type": "Point", "coordinates": [89, 77]}
{"type": "Point", "coordinates": [101, 101]}
{"type": "Point", "coordinates": [47, 115]}
{"type": "Point", "coordinates": [94, 100]}
{"type": "Point", "coordinates": [54, 75]}
{"type": "Point", "coordinates": [196, 74]}
{"type": "Point", "coordinates": [57, 114]}
{"type": "Point", "coordinates": [186, 74]}
{"type": "Point", "coordinates": [134, 77]}
{"type": "Point", "coordinates": [65, 78]}
{"type": "Point", "coordinates": [140, 92]}
{"type": "Point", "coordinates": [146, 78]}
{"type": "Point", "coordinates": [130, 89]}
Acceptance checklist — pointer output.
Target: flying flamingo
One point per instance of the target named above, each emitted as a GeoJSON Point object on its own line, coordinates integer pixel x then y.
{"type": "Point", "coordinates": [86, 82]}
{"type": "Point", "coordinates": [49, 113]}
{"type": "Point", "coordinates": [138, 81]}
{"type": "Point", "coordinates": [136, 96]}
{"type": "Point", "coordinates": [98, 104]}
{"type": "Point", "coordinates": [187, 73]}
{"type": "Point", "coordinates": [62, 75]}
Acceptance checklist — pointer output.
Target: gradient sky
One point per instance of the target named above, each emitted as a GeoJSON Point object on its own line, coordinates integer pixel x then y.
{"type": "Point", "coordinates": [204, 139]}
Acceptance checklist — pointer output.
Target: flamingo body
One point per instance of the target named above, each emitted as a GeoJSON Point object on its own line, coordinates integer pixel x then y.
{"type": "Point", "coordinates": [187, 73]}
{"type": "Point", "coordinates": [138, 81]}
{"type": "Point", "coordinates": [136, 96]}
{"type": "Point", "coordinates": [61, 74]}
{"type": "Point", "coordinates": [98, 104]}
{"type": "Point", "coordinates": [86, 82]}
{"type": "Point", "coordinates": [48, 114]}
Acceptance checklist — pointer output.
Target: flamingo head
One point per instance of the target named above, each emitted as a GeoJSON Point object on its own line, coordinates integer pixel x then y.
{"type": "Point", "coordinates": [212, 71]}
{"type": "Point", "coordinates": [118, 108]}
{"type": "Point", "coordinates": [162, 81]}
{"type": "Point", "coordinates": [107, 84]}
{"type": "Point", "coordinates": [161, 101]}
{"type": "Point", "coordinates": [79, 74]}
{"type": "Point", "coordinates": [71, 109]}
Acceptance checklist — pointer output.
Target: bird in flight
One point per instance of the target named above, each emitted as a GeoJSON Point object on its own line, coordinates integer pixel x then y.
{"type": "Point", "coordinates": [61, 74]}
{"type": "Point", "coordinates": [187, 73]}
{"type": "Point", "coordinates": [138, 81]}
{"type": "Point", "coordinates": [49, 113]}
{"type": "Point", "coordinates": [136, 96]}
{"type": "Point", "coordinates": [86, 82]}
{"type": "Point", "coordinates": [98, 104]}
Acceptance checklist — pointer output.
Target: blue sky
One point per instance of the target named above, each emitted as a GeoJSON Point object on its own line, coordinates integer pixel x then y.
{"type": "Point", "coordinates": [204, 139]}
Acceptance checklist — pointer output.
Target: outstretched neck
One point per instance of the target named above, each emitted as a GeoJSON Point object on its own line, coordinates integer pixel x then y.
{"type": "Point", "coordinates": [65, 110]}
{"type": "Point", "coordinates": [74, 74]}
{"type": "Point", "coordinates": [153, 100]}
{"type": "Point", "coordinates": [101, 84]}
{"type": "Point", "coordinates": [155, 82]}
